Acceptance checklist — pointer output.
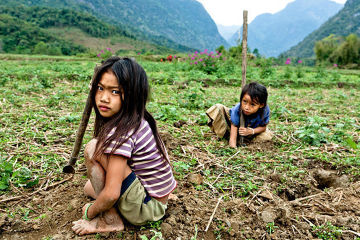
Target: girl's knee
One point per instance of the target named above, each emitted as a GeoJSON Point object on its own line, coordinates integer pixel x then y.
{"type": "Point", "coordinates": [90, 149]}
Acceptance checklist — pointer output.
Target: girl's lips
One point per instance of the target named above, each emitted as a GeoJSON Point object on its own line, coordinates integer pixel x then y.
{"type": "Point", "coordinates": [104, 108]}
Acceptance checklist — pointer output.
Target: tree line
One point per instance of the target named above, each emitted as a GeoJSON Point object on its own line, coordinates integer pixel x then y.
{"type": "Point", "coordinates": [339, 50]}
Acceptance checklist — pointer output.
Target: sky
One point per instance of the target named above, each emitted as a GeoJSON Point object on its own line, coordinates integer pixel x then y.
{"type": "Point", "coordinates": [229, 12]}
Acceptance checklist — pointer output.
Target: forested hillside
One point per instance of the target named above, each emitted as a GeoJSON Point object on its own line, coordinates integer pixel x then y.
{"type": "Point", "coordinates": [164, 22]}
{"type": "Point", "coordinates": [345, 22]}
{"type": "Point", "coordinates": [273, 34]}
{"type": "Point", "coordinates": [22, 28]}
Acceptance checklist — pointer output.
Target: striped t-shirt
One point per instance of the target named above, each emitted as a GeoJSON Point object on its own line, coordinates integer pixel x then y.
{"type": "Point", "coordinates": [145, 160]}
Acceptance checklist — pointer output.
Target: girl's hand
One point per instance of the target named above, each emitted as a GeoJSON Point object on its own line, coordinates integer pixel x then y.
{"type": "Point", "coordinates": [246, 131]}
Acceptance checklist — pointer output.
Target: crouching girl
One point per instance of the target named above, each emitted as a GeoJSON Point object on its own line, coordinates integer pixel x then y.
{"type": "Point", "coordinates": [127, 164]}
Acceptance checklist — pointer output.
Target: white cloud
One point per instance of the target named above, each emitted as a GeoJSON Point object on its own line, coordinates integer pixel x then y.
{"type": "Point", "coordinates": [230, 12]}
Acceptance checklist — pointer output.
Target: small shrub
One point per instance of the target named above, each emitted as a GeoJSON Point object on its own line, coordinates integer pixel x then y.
{"type": "Point", "coordinates": [105, 53]}
{"type": "Point", "coordinates": [266, 68]}
{"type": "Point", "coordinates": [208, 62]}
{"type": "Point", "coordinates": [287, 73]}
{"type": "Point", "coordinates": [314, 132]}
{"type": "Point", "coordinates": [327, 231]}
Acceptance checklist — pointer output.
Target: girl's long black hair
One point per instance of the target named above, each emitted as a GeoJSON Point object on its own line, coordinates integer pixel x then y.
{"type": "Point", "coordinates": [133, 81]}
{"type": "Point", "coordinates": [258, 93]}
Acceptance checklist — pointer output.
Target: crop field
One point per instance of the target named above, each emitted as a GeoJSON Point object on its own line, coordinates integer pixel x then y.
{"type": "Point", "coordinates": [303, 184]}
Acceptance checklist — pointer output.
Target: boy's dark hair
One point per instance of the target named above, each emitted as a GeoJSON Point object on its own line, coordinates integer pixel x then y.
{"type": "Point", "coordinates": [133, 81]}
{"type": "Point", "coordinates": [257, 92]}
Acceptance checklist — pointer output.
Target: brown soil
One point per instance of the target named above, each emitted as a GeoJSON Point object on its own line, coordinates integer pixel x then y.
{"type": "Point", "coordinates": [294, 210]}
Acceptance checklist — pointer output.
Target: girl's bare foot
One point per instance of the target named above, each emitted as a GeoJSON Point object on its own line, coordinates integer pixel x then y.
{"type": "Point", "coordinates": [109, 222]}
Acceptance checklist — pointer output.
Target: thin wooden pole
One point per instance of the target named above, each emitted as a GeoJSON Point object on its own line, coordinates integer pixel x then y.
{"type": "Point", "coordinates": [69, 168]}
{"type": "Point", "coordinates": [244, 55]}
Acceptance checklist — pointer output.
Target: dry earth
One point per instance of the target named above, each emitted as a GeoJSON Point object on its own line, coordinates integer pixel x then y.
{"type": "Point", "coordinates": [294, 211]}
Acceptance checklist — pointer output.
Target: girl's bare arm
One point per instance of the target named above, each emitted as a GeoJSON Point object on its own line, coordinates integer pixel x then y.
{"type": "Point", "coordinates": [116, 171]}
{"type": "Point", "coordinates": [233, 136]}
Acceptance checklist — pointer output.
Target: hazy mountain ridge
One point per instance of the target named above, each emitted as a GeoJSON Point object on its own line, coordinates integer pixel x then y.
{"type": "Point", "coordinates": [185, 22]}
{"type": "Point", "coordinates": [345, 22]}
{"type": "Point", "coordinates": [273, 34]}
{"type": "Point", "coordinates": [227, 31]}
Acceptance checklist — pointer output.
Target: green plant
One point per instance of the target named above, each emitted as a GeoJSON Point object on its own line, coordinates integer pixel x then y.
{"type": "Point", "coordinates": [315, 131]}
{"type": "Point", "coordinates": [266, 68]}
{"type": "Point", "coordinates": [193, 97]}
{"type": "Point", "coordinates": [6, 170]}
{"type": "Point", "coordinates": [195, 235]}
{"type": "Point", "coordinates": [320, 73]}
{"type": "Point", "coordinates": [270, 227]}
{"type": "Point", "coordinates": [299, 72]}
{"type": "Point", "coordinates": [157, 236]}
{"type": "Point", "coordinates": [208, 62]}
{"type": "Point", "coordinates": [327, 231]}
{"type": "Point", "coordinates": [288, 72]}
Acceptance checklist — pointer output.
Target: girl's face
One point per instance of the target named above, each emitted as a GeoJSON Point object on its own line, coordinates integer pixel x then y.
{"type": "Point", "coordinates": [108, 95]}
{"type": "Point", "coordinates": [248, 106]}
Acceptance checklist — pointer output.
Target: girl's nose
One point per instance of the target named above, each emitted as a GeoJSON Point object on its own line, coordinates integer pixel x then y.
{"type": "Point", "coordinates": [104, 97]}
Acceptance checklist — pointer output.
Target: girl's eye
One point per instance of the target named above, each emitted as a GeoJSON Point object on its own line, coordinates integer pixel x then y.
{"type": "Point", "coordinates": [115, 92]}
{"type": "Point", "coordinates": [100, 88]}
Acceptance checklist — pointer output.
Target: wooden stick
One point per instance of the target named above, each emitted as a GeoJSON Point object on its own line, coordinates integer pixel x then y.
{"type": "Point", "coordinates": [243, 68]}
{"type": "Point", "coordinates": [212, 216]}
{"type": "Point", "coordinates": [69, 168]}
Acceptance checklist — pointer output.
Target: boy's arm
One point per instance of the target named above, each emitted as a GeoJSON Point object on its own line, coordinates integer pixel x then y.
{"type": "Point", "coordinates": [251, 131]}
{"type": "Point", "coordinates": [110, 194]}
{"type": "Point", "coordinates": [233, 136]}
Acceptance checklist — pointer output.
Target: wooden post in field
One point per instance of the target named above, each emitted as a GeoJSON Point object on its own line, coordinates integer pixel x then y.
{"type": "Point", "coordinates": [243, 67]}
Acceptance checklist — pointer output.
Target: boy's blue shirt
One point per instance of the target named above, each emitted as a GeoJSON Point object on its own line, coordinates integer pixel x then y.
{"type": "Point", "coordinates": [253, 120]}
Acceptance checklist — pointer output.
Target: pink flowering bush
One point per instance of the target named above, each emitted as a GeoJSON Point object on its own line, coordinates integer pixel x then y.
{"type": "Point", "coordinates": [105, 53]}
{"type": "Point", "coordinates": [206, 61]}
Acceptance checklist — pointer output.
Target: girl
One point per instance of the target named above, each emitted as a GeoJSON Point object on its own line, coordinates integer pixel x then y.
{"type": "Point", "coordinates": [127, 163]}
{"type": "Point", "coordinates": [225, 122]}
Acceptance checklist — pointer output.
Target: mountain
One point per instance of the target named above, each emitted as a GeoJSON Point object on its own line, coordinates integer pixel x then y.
{"type": "Point", "coordinates": [227, 31]}
{"type": "Point", "coordinates": [64, 31]}
{"type": "Point", "coordinates": [345, 22]}
{"type": "Point", "coordinates": [184, 22]}
{"type": "Point", "coordinates": [272, 34]}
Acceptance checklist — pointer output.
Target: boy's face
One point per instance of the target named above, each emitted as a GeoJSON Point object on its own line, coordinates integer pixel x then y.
{"type": "Point", "coordinates": [248, 106]}
{"type": "Point", "coordinates": [108, 95]}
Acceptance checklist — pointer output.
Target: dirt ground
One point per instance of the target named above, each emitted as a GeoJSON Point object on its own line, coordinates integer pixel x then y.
{"type": "Point", "coordinates": [324, 197]}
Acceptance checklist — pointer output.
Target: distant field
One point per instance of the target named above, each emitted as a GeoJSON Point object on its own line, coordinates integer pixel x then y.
{"type": "Point", "coordinates": [315, 119]}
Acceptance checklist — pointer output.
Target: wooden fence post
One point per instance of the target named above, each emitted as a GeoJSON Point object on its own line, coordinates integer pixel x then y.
{"type": "Point", "coordinates": [243, 67]}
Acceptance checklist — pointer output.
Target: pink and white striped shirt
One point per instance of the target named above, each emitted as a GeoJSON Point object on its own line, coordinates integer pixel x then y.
{"type": "Point", "coordinates": [145, 160]}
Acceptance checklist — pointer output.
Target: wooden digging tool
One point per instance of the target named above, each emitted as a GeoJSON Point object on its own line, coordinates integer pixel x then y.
{"type": "Point", "coordinates": [243, 69]}
{"type": "Point", "coordinates": [69, 168]}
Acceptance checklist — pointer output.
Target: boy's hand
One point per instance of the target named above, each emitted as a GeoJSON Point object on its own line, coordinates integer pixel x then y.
{"type": "Point", "coordinates": [245, 131]}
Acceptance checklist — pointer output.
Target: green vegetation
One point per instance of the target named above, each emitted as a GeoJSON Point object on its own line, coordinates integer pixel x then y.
{"type": "Point", "coordinates": [183, 30]}
{"type": "Point", "coordinates": [339, 51]}
{"type": "Point", "coordinates": [42, 102]}
{"type": "Point", "coordinates": [327, 231]}
{"type": "Point", "coordinates": [44, 30]}
{"type": "Point", "coordinates": [19, 36]}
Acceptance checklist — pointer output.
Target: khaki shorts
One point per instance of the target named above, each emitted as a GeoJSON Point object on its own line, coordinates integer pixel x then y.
{"type": "Point", "coordinates": [135, 205]}
{"type": "Point", "coordinates": [219, 122]}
